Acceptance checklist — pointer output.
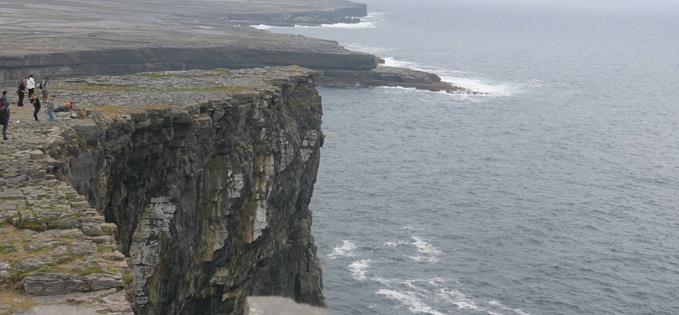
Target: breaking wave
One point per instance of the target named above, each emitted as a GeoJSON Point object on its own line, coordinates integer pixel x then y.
{"type": "Point", "coordinates": [438, 296]}
{"type": "Point", "coordinates": [427, 252]}
{"type": "Point", "coordinates": [358, 25]}
{"type": "Point", "coordinates": [457, 78]}
{"type": "Point", "coordinates": [345, 250]}
{"type": "Point", "coordinates": [409, 300]}
{"type": "Point", "coordinates": [263, 27]}
{"type": "Point", "coordinates": [359, 269]}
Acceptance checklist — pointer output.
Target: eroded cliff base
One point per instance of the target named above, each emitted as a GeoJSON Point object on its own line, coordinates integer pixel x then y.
{"type": "Point", "coordinates": [165, 193]}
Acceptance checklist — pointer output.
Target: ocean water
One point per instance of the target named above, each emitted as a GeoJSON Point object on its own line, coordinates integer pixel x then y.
{"type": "Point", "coordinates": [556, 193]}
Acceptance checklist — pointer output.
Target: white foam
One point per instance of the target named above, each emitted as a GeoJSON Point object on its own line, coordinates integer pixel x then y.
{"type": "Point", "coordinates": [395, 244]}
{"type": "Point", "coordinates": [262, 27]}
{"type": "Point", "coordinates": [392, 62]}
{"type": "Point", "coordinates": [480, 86]}
{"type": "Point", "coordinates": [409, 300]}
{"type": "Point", "coordinates": [505, 308]}
{"type": "Point", "coordinates": [485, 87]}
{"type": "Point", "coordinates": [365, 49]}
{"type": "Point", "coordinates": [418, 295]}
{"type": "Point", "coordinates": [359, 269]}
{"type": "Point", "coordinates": [458, 299]}
{"type": "Point", "coordinates": [345, 250]}
{"type": "Point", "coordinates": [424, 247]}
{"type": "Point", "coordinates": [359, 25]}
{"type": "Point", "coordinates": [428, 252]}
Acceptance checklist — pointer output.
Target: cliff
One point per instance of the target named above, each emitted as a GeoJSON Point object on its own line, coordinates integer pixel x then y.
{"type": "Point", "coordinates": [82, 37]}
{"type": "Point", "coordinates": [184, 192]}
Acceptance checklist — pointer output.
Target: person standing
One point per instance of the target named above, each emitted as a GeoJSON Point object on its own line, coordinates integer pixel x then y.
{"type": "Point", "coordinates": [30, 84]}
{"type": "Point", "coordinates": [44, 87]}
{"type": "Point", "coordinates": [36, 106]}
{"type": "Point", "coordinates": [21, 89]}
{"type": "Point", "coordinates": [49, 108]}
{"type": "Point", "coordinates": [4, 115]}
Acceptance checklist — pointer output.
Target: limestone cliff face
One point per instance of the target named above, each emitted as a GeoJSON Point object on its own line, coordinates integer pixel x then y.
{"type": "Point", "coordinates": [210, 200]}
{"type": "Point", "coordinates": [315, 54]}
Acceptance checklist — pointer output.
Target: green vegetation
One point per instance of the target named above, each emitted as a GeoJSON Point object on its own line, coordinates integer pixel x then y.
{"type": "Point", "coordinates": [7, 248]}
{"type": "Point", "coordinates": [127, 278]}
{"type": "Point", "coordinates": [101, 88]}
{"type": "Point", "coordinates": [215, 89]}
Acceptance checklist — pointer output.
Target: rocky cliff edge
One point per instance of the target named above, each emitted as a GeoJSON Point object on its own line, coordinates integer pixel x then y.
{"type": "Point", "coordinates": [165, 193]}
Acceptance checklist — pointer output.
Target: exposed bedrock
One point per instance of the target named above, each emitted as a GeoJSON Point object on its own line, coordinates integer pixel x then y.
{"type": "Point", "coordinates": [339, 67]}
{"type": "Point", "coordinates": [125, 61]}
{"type": "Point", "coordinates": [210, 199]}
{"type": "Point", "coordinates": [211, 204]}
{"type": "Point", "coordinates": [388, 76]}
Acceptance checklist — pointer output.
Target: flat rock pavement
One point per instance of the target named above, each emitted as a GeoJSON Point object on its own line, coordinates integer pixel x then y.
{"type": "Point", "coordinates": [34, 27]}
{"type": "Point", "coordinates": [55, 248]}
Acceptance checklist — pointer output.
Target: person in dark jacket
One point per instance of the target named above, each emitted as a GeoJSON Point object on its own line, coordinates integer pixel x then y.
{"type": "Point", "coordinates": [4, 115]}
{"type": "Point", "coordinates": [36, 106]}
{"type": "Point", "coordinates": [45, 88]}
{"type": "Point", "coordinates": [21, 89]}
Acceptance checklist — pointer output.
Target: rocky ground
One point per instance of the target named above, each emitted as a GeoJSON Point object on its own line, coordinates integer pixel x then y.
{"type": "Point", "coordinates": [33, 27]}
{"type": "Point", "coordinates": [59, 255]}
{"type": "Point", "coordinates": [55, 247]}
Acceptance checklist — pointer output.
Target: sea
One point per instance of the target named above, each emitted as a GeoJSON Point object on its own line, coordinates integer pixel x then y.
{"type": "Point", "coordinates": [554, 192]}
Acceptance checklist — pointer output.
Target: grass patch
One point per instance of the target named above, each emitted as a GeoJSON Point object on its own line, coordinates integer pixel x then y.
{"type": "Point", "coordinates": [7, 249]}
{"type": "Point", "coordinates": [103, 248]}
{"type": "Point", "coordinates": [127, 278]}
{"type": "Point", "coordinates": [216, 89]}
{"type": "Point", "coordinates": [102, 88]}
{"type": "Point", "coordinates": [157, 75]}
{"type": "Point", "coordinates": [16, 302]}
{"type": "Point", "coordinates": [82, 144]}
{"type": "Point", "coordinates": [157, 106]}
{"type": "Point", "coordinates": [109, 110]}
{"type": "Point", "coordinates": [70, 196]}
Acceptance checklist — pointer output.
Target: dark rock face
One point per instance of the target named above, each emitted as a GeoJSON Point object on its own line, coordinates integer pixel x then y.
{"type": "Point", "coordinates": [210, 200]}
{"type": "Point", "coordinates": [388, 76]}
{"type": "Point", "coordinates": [126, 61]}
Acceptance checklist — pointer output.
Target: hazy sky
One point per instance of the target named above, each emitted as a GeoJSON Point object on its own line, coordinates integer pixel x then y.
{"type": "Point", "coordinates": [631, 6]}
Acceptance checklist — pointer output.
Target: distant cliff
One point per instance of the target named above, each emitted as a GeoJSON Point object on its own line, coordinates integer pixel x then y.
{"type": "Point", "coordinates": [207, 197]}
{"type": "Point", "coordinates": [127, 37]}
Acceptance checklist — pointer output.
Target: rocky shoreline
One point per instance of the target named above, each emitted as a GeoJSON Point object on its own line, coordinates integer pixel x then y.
{"type": "Point", "coordinates": [389, 77]}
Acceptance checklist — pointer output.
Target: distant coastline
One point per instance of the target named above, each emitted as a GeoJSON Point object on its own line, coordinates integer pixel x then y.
{"type": "Point", "coordinates": [203, 38]}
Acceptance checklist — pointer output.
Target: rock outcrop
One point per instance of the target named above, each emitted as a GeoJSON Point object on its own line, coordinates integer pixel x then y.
{"type": "Point", "coordinates": [389, 76]}
{"type": "Point", "coordinates": [203, 177]}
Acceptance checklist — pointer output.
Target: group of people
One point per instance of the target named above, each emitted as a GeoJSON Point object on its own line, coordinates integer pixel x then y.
{"type": "Point", "coordinates": [29, 84]}
{"type": "Point", "coordinates": [25, 84]}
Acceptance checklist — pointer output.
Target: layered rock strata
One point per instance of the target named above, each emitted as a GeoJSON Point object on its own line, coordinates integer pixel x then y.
{"type": "Point", "coordinates": [389, 76]}
{"type": "Point", "coordinates": [82, 38]}
{"type": "Point", "coordinates": [203, 177]}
